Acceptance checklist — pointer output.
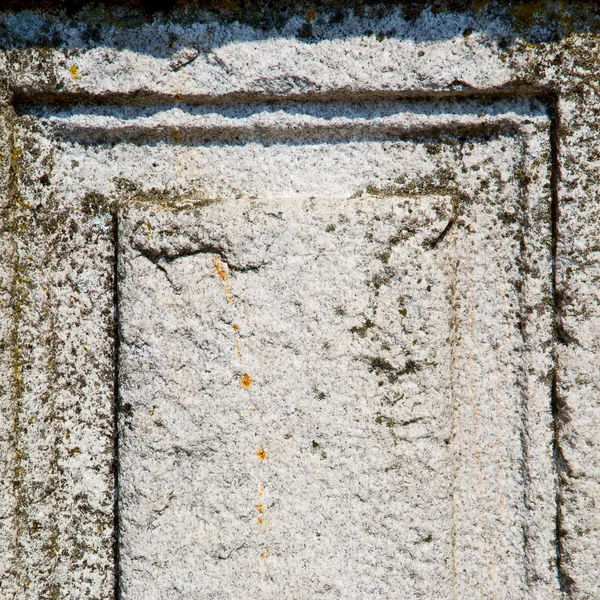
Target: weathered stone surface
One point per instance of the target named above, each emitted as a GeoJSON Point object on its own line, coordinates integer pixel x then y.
{"type": "Point", "coordinates": [267, 449]}
{"type": "Point", "coordinates": [342, 396]}
{"type": "Point", "coordinates": [111, 120]}
{"type": "Point", "coordinates": [58, 390]}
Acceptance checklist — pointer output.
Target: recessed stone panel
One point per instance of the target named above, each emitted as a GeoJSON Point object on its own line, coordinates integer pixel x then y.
{"type": "Point", "coordinates": [138, 141]}
{"type": "Point", "coordinates": [342, 396]}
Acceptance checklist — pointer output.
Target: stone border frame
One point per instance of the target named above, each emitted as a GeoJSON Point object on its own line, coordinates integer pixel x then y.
{"type": "Point", "coordinates": [546, 96]}
{"type": "Point", "coordinates": [565, 335]}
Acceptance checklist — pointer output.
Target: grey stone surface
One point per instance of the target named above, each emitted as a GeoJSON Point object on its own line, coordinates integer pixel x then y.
{"type": "Point", "coordinates": [268, 450]}
{"type": "Point", "coordinates": [112, 116]}
{"type": "Point", "coordinates": [342, 396]}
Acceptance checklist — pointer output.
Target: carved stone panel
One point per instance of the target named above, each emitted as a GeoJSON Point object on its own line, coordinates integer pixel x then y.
{"type": "Point", "coordinates": [394, 205]}
{"type": "Point", "coordinates": [336, 365]}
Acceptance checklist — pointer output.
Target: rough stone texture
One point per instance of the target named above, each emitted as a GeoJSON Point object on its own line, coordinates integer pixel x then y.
{"type": "Point", "coordinates": [322, 397]}
{"type": "Point", "coordinates": [267, 449]}
{"type": "Point", "coordinates": [60, 389]}
{"type": "Point", "coordinates": [111, 119]}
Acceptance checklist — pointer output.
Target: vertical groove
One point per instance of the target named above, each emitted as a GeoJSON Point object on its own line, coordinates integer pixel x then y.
{"type": "Point", "coordinates": [17, 298]}
{"type": "Point", "coordinates": [524, 224]}
{"type": "Point", "coordinates": [453, 267]}
{"type": "Point", "coordinates": [116, 401]}
{"type": "Point", "coordinates": [558, 409]}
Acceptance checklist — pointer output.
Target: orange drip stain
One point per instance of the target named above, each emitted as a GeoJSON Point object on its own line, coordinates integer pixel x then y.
{"type": "Point", "coordinates": [261, 453]}
{"type": "Point", "coordinates": [220, 268]}
{"type": "Point", "coordinates": [222, 272]}
{"type": "Point", "coordinates": [246, 380]}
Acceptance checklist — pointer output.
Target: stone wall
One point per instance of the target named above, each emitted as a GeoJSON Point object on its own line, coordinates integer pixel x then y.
{"type": "Point", "coordinates": [299, 302]}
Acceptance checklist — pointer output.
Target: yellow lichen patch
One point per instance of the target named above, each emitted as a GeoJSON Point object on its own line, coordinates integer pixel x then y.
{"type": "Point", "coordinates": [246, 380]}
{"type": "Point", "coordinates": [261, 453]}
{"type": "Point", "coordinates": [16, 153]}
{"type": "Point", "coordinates": [74, 71]}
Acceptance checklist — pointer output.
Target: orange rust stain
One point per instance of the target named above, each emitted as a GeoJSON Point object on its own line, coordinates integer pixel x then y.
{"type": "Point", "coordinates": [311, 15]}
{"type": "Point", "coordinates": [246, 380]}
{"type": "Point", "coordinates": [265, 553]}
{"type": "Point", "coordinates": [238, 345]}
{"type": "Point", "coordinates": [260, 520]}
{"type": "Point", "coordinates": [261, 453]}
{"type": "Point", "coordinates": [260, 508]}
{"type": "Point", "coordinates": [262, 491]}
{"type": "Point", "coordinates": [222, 272]}
{"type": "Point", "coordinates": [220, 268]}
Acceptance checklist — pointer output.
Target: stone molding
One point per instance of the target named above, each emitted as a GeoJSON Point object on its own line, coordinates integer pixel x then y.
{"type": "Point", "coordinates": [214, 83]}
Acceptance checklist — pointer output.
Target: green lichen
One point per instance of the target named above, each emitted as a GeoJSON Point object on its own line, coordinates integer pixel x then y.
{"type": "Point", "coordinates": [362, 330]}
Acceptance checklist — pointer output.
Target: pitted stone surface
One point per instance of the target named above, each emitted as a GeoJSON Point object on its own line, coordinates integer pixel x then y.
{"type": "Point", "coordinates": [290, 405]}
{"type": "Point", "coordinates": [109, 118]}
{"type": "Point", "coordinates": [326, 397]}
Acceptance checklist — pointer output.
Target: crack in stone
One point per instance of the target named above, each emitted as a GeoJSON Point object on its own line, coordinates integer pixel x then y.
{"type": "Point", "coordinates": [441, 236]}
{"type": "Point", "coordinates": [166, 257]}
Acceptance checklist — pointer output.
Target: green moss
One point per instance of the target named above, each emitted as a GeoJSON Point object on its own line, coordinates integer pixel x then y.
{"type": "Point", "coordinates": [362, 330]}
{"type": "Point", "coordinates": [95, 203]}
{"type": "Point", "coordinates": [383, 420]}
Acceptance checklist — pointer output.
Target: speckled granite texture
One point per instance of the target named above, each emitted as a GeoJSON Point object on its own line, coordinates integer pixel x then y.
{"type": "Point", "coordinates": [299, 307]}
